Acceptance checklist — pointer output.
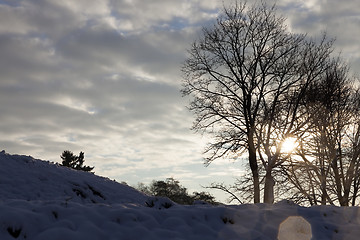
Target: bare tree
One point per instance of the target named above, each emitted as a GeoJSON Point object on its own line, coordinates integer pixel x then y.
{"type": "Point", "coordinates": [330, 151]}
{"type": "Point", "coordinates": [283, 115]}
{"type": "Point", "coordinates": [240, 74]}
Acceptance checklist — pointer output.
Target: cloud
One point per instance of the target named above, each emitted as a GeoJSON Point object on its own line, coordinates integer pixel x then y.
{"type": "Point", "coordinates": [339, 20]}
{"type": "Point", "coordinates": [137, 15]}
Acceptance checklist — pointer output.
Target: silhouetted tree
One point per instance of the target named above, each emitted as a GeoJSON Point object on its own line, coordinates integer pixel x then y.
{"type": "Point", "coordinates": [143, 188]}
{"type": "Point", "coordinates": [203, 196]}
{"type": "Point", "coordinates": [75, 162]}
{"type": "Point", "coordinates": [328, 170]}
{"type": "Point", "coordinates": [172, 189]}
{"type": "Point", "coordinates": [246, 76]}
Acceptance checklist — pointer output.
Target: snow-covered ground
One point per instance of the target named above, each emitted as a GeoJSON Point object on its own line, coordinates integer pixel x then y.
{"type": "Point", "coordinates": [42, 200]}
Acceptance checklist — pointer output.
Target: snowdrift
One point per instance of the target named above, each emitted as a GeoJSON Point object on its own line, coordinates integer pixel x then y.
{"type": "Point", "coordinates": [42, 200]}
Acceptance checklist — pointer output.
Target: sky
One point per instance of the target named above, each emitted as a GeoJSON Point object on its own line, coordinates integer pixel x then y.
{"type": "Point", "coordinates": [103, 77]}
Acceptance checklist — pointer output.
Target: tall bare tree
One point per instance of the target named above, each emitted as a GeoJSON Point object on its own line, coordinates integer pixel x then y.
{"type": "Point", "coordinates": [330, 148]}
{"type": "Point", "coordinates": [240, 73]}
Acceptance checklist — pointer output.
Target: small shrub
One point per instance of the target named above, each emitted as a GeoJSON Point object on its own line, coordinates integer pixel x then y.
{"type": "Point", "coordinates": [227, 220]}
{"type": "Point", "coordinates": [14, 232]}
{"type": "Point", "coordinates": [159, 202]}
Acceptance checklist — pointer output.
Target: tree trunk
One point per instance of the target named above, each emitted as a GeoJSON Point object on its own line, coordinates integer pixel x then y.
{"type": "Point", "coordinates": [343, 198]}
{"type": "Point", "coordinates": [256, 181]}
{"type": "Point", "coordinates": [269, 188]}
{"type": "Point", "coordinates": [356, 189]}
{"type": "Point", "coordinates": [323, 189]}
{"type": "Point", "coordinates": [254, 167]}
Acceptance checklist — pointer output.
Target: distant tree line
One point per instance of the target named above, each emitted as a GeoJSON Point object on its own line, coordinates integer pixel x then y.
{"type": "Point", "coordinates": [172, 189]}
{"type": "Point", "coordinates": [253, 84]}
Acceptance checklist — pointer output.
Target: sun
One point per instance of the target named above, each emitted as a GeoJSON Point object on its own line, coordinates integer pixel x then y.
{"type": "Point", "coordinates": [289, 144]}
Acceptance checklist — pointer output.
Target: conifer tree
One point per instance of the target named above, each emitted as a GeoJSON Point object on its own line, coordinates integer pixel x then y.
{"type": "Point", "coordinates": [75, 162]}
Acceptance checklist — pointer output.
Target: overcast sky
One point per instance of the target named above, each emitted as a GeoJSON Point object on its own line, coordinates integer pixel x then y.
{"type": "Point", "coordinates": [103, 77]}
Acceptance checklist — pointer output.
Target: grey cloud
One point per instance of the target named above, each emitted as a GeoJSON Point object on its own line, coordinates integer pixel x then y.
{"type": "Point", "coordinates": [147, 14]}
{"type": "Point", "coordinates": [24, 58]}
{"type": "Point", "coordinates": [341, 20]}
{"type": "Point", "coordinates": [159, 54]}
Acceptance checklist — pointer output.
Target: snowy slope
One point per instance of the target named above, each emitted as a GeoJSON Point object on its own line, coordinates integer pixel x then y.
{"type": "Point", "coordinates": [41, 200]}
{"type": "Point", "coordinates": [22, 177]}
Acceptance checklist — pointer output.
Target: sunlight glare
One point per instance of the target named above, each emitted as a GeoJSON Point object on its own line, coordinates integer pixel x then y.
{"type": "Point", "coordinates": [289, 144]}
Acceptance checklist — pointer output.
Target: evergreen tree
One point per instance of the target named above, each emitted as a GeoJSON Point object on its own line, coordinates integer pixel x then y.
{"type": "Point", "coordinates": [76, 162]}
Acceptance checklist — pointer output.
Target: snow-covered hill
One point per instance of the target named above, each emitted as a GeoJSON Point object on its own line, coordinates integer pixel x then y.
{"type": "Point", "coordinates": [25, 178]}
{"type": "Point", "coordinates": [42, 200]}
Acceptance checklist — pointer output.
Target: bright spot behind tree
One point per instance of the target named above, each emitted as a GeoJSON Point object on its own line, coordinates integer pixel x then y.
{"type": "Point", "coordinates": [289, 144]}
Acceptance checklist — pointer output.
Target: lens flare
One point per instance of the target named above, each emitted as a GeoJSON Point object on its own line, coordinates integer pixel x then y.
{"type": "Point", "coordinates": [295, 228]}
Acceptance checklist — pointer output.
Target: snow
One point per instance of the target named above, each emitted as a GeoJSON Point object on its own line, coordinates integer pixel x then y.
{"type": "Point", "coordinates": [42, 200]}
